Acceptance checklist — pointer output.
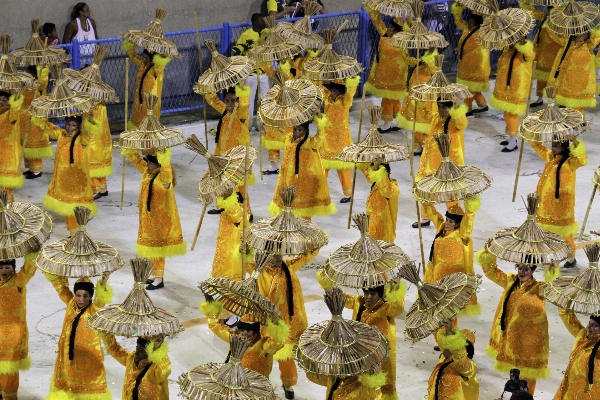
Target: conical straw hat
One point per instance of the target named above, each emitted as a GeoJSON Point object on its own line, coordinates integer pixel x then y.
{"type": "Point", "coordinates": [225, 171]}
{"type": "Point", "coordinates": [574, 18]}
{"type": "Point", "coordinates": [23, 228]}
{"type": "Point", "coordinates": [286, 234]}
{"type": "Point", "coordinates": [10, 78]}
{"type": "Point", "coordinates": [366, 263]}
{"type": "Point", "coordinates": [393, 8]}
{"type": "Point", "coordinates": [329, 65]}
{"type": "Point", "coordinates": [229, 381]}
{"type": "Point", "coordinates": [528, 244]}
{"type": "Point", "coordinates": [243, 297]}
{"type": "Point", "coordinates": [153, 38]}
{"type": "Point", "coordinates": [89, 80]}
{"type": "Point", "coordinates": [374, 145]}
{"type": "Point", "coordinates": [543, 3]}
{"type": "Point", "coordinates": [481, 7]}
{"type": "Point", "coordinates": [136, 316]}
{"type": "Point", "coordinates": [290, 103]}
{"type": "Point", "coordinates": [62, 101]}
{"type": "Point", "coordinates": [79, 255]}
{"type": "Point", "coordinates": [418, 37]}
{"type": "Point", "coordinates": [275, 47]}
{"type": "Point", "coordinates": [436, 303]}
{"type": "Point", "coordinates": [553, 124]}
{"type": "Point", "coordinates": [450, 182]}
{"type": "Point", "coordinates": [596, 178]}
{"type": "Point", "coordinates": [340, 347]}
{"type": "Point", "coordinates": [151, 134]}
{"type": "Point", "coordinates": [224, 72]}
{"type": "Point", "coordinates": [505, 28]}
{"type": "Point", "coordinates": [36, 52]}
{"type": "Point", "coordinates": [439, 87]}
{"type": "Point", "coordinates": [301, 30]}
{"type": "Point", "coordinates": [580, 294]}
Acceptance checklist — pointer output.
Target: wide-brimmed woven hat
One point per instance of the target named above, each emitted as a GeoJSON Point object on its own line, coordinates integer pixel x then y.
{"type": "Point", "coordinates": [89, 80]}
{"type": "Point", "coordinates": [505, 28]}
{"type": "Point", "coordinates": [481, 7]}
{"type": "Point", "coordinates": [393, 8]}
{"type": "Point", "coordinates": [438, 87]}
{"type": "Point", "coordinates": [529, 243]}
{"type": "Point", "coordinates": [153, 38]}
{"type": "Point", "coordinates": [79, 255]}
{"type": "Point", "coordinates": [136, 316]}
{"type": "Point", "coordinates": [225, 171]}
{"type": "Point", "coordinates": [581, 293]}
{"type": "Point", "coordinates": [151, 134]}
{"type": "Point", "coordinates": [10, 78]}
{"type": "Point", "coordinates": [23, 228]}
{"type": "Point", "coordinates": [366, 263]}
{"type": "Point", "coordinates": [340, 347]}
{"type": "Point", "coordinates": [36, 52]}
{"type": "Point", "coordinates": [243, 297]}
{"type": "Point", "coordinates": [228, 381]}
{"type": "Point", "coordinates": [450, 182]}
{"type": "Point", "coordinates": [301, 30]}
{"type": "Point", "coordinates": [286, 234]}
{"type": "Point", "coordinates": [543, 3]}
{"type": "Point", "coordinates": [574, 18]}
{"type": "Point", "coordinates": [276, 47]}
{"type": "Point", "coordinates": [224, 72]}
{"type": "Point", "coordinates": [418, 37]}
{"type": "Point", "coordinates": [62, 101]}
{"type": "Point", "coordinates": [436, 303]}
{"type": "Point", "coordinates": [290, 103]}
{"type": "Point", "coordinates": [374, 146]}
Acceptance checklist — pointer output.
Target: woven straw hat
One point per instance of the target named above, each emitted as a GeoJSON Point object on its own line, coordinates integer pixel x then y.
{"type": "Point", "coordinates": [374, 145]}
{"type": "Point", "coordinates": [574, 18]}
{"type": "Point", "coordinates": [224, 172]}
{"type": "Point", "coordinates": [290, 103]}
{"type": "Point", "coordinates": [10, 78]}
{"type": "Point", "coordinates": [89, 80]}
{"type": "Point", "coordinates": [229, 381]}
{"type": "Point", "coordinates": [439, 87]}
{"type": "Point", "coordinates": [36, 52]}
{"type": "Point", "coordinates": [301, 30]}
{"type": "Point", "coordinates": [505, 28]}
{"type": "Point", "coordinates": [366, 263]}
{"type": "Point", "coordinates": [436, 303]}
{"type": "Point", "coordinates": [243, 297]}
{"type": "Point", "coordinates": [418, 37]}
{"type": "Point", "coordinates": [151, 134]}
{"type": "Point", "coordinates": [23, 228]}
{"type": "Point", "coordinates": [62, 101]}
{"type": "Point", "coordinates": [543, 3]}
{"type": "Point", "coordinates": [581, 293]}
{"type": "Point", "coordinates": [481, 7]}
{"type": "Point", "coordinates": [136, 316]}
{"type": "Point", "coordinates": [153, 38]}
{"type": "Point", "coordinates": [450, 182]}
{"type": "Point", "coordinates": [79, 255]}
{"type": "Point", "coordinates": [224, 72]}
{"type": "Point", "coordinates": [340, 347]}
{"type": "Point", "coordinates": [286, 234]}
{"type": "Point", "coordinates": [393, 8]}
{"type": "Point", "coordinates": [276, 47]}
{"type": "Point", "coordinates": [528, 244]}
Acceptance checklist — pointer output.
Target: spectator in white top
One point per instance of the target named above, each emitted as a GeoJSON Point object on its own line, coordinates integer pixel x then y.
{"type": "Point", "coordinates": [83, 28]}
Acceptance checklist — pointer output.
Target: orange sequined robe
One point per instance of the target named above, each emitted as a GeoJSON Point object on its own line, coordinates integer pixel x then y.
{"type": "Point", "coordinates": [100, 147]}
{"type": "Point", "coordinates": [382, 205]}
{"type": "Point", "coordinates": [10, 144]}
{"type": "Point", "coordinates": [347, 389]}
{"type": "Point", "coordinates": [238, 134]}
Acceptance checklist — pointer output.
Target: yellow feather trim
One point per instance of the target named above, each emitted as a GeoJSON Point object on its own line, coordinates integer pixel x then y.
{"type": "Point", "coordinates": [38, 152]}
{"type": "Point", "coordinates": [564, 231]}
{"type": "Point", "coordinates": [317, 211]}
{"type": "Point", "coordinates": [457, 8]}
{"type": "Point", "coordinates": [373, 381]}
{"type": "Point", "coordinates": [408, 125]}
{"type": "Point", "coordinates": [312, 53]}
{"type": "Point", "coordinates": [161, 60]}
{"type": "Point", "coordinates": [321, 121]}
{"type": "Point", "coordinates": [11, 182]}
{"type": "Point", "coordinates": [353, 82]}
{"type": "Point", "coordinates": [16, 103]}
{"type": "Point", "coordinates": [155, 253]}
{"type": "Point", "coordinates": [526, 373]}
{"type": "Point", "coordinates": [474, 86]}
{"type": "Point", "coordinates": [396, 296]}
{"type": "Point", "coordinates": [62, 208]}
{"type": "Point", "coordinates": [597, 62]}
{"type": "Point", "coordinates": [13, 367]}
{"type": "Point", "coordinates": [163, 157]}
{"type": "Point", "coordinates": [62, 395]}
{"type": "Point", "coordinates": [483, 257]}
{"type": "Point", "coordinates": [29, 258]}
{"type": "Point", "coordinates": [517, 109]}
{"type": "Point", "coordinates": [493, 353]}
{"type": "Point", "coordinates": [379, 175]}
{"type": "Point", "coordinates": [39, 122]}
{"type": "Point", "coordinates": [543, 75]}
{"type": "Point", "coordinates": [271, 5]}
{"type": "Point", "coordinates": [229, 202]}
{"type": "Point", "coordinates": [389, 396]}
{"type": "Point", "coordinates": [429, 57]}
{"type": "Point", "coordinates": [272, 144]}
{"type": "Point", "coordinates": [57, 394]}
{"type": "Point", "coordinates": [94, 129]}
{"type": "Point", "coordinates": [131, 126]}
{"type": "Point", "coordinates": [127, 46]}
{"type": "Point", "coordinates": [285, 353]}
{"type": "Point", "coordinates": [525, 48]}
{"type": "Point", "coordinates": [279, 332]}
{"type": "Point", "coordinates": [336, 164]}
{"type": "Point", "coordinates": [576, 103]}
{"type": "Point", "coordinates": [211, 308]}
{"type": "Point", "coordinates": [51, 278]}
{"type": "Point", "coordinates": [458, 112]}
{"type": "Point", "coordinates": [285, 67]}
{"type": "Point", "coordinates": [101, 172]}
{"type": "Point", "coordinates": [384, 93]}
{"type": "Point", "coordinates": [104, 293]}
{"type": "Point", "coordinates": [471, 310]}
{"type": "Point", "coordinates": [129, 152]}
{"type": "Point", "coordinates": [456, 341]}
{"type": "Point", "coordinates": [472, 205]}
{"type": "Point", "coordinates": [577, 150]}
{"type": "Point", "coordinates": [251, 179]}
{"type": "Point", "coordinates": [323, 280]}
{"type": "Point", "coordinates": [157, 356]}
{"type": "Point", "coordinates": [551, 274]}
{"type": "Point", "coordinates": [242, 91]}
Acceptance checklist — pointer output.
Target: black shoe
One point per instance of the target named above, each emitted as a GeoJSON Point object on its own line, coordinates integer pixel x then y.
{"type": "Point", "coordinates": [31, 175]}
{"type": "Point", "coordinates": [267, 172]}
{"type": "Point", "coordinates": [469, 114]}
{"type": "Point", "coordinates": [345, 200]}
{"type": "Point", "coordinates": [507, 150]}
{"type": "Point", "coordinates": [215, 211]}
{"type": "Point", "coordinates": [100, 194]}
{"type": "Point", "coordinates": [159, 286]}
{"type": "Point", "coordinates": [418, 153]}
{"type": "Point", "coordinates": [289, 394]}
{"type": "Point", "coordinates": [537, 103]}
{"type": "Point", "coordinates": [251, 218]}
{"type": "Point", "coordinates": [149, 281]}
{"type": "Point", "coordinates": [388, 130]}
{"type": "Point", "coordinates": [426, 223]}
{"type": "Point", "coordinates": [437, 348]}
{"type": "Point", "coordinates": [568, 264]}
{"type": "Point", "coordinates": [395, 128]}
{"type": "Point", "coordinates": [504, 143]}
{"type": "Point", "coordinates": [480, 110]}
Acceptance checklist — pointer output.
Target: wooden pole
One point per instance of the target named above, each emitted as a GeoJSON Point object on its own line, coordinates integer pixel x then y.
{"type": "Point", "coordinates": [199, 225]}
{"type": "Point", "coordinates": [260, 127]}
{"type": "Point", "coordinates": [360, 122]}
{"type": "Point", "coordinates": [199, 44]}
{"type": "Point", "coordinates": [126, 96]}
{"type": "Point", "coordinates": [587, 214]}
{"type": "Point", "coordinates": [245, 204]}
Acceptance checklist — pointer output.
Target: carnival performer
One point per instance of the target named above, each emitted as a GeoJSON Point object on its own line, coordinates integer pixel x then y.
{"type": "Point", "coordinates": [455, 376]}
{"type": "Point", "coordinates": [10, 142]}
{"type": "Point", "coordinates": [303, 169]}
{"type": "Point", "coordinates": [99, 150]}
{"type": "Point", "coordinates": [79, 369]}
{"type": "Point", "coordinates": [159, 233]}
{"type": "Point", "coordinates": [382, 203]}
{"type": "Point", "coordinates": [361, 387]}
{"type": "Point", "coordinates": [71, 185]}
{"type": "Point", "coordinates": [338, 101]}
{"type": "Point", "coordinates": [473, 59]}
{"type": "Point", "coordinates": [513, 83]}
{"type": "Point", "coordinates": [579, 381]}
{"type": "Point", "coordinates": [150, 78]}
{"type": "Point", "coordinates": [147, 368]}
{"type": "Point", "coordinates": [14, 348]}
{"type": "Point", "coordinates": [556, 190]}
{"type": "Point", "coordinates": [519, 337]}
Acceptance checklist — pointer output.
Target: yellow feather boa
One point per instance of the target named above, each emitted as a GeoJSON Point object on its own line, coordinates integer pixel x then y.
{"type": "Point", "coordinates": [408, 125]}
{"type": "Point", "coordinates": [279, 332]}
{"type": "Point", "coordinates": [211, 308]}
{"type": "Point", "coordinates": [456, 341]}
{"type": "Point", "coordinates": [473, 205]}
{"type": "Point", "coordinates": [242, 91]}
{"type": "Point", "coordinates": [471, 310]}
{"type": "Point", "coordinates": [395, 296]}
{"type": "Point", "coordinates": [485, 258]}
{"type": "Point", "coordinates": [517, 109]}
{"type": "Point", "coordinates": [336, 164]}
{"type": "Point", "coordinates": [551, 274]}
{"type": "Point", "coordinates": [103, 293]}
{"type": "Point", "coordinates": [373, 381]}
{"type": "Point", "coordinates": [577, 150]}
{"type": "Point", "coordinates": [158, 355]}
{"type": "Point", "coordinates": [65, 209]}
{"type": "Point", "coordinates": [16, 103]}
{"type": "Point", "coordinates": [161, 60]}
{"type": "Point", "coordinates": [12, 182]}
{"type": "Point", "coordinates": [38, 152]}
{"type": "Point", "coordinates": [285, 353]}
{"type": "Point", "coordinates": [323, 280]}
{"type": "Point", "coordinates": [13, 367]}
{"type": "Point", "coordinates": [457, 112]}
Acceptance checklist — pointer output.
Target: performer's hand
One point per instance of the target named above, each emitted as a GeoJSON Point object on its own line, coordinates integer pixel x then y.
{"type": "Point", "coordinates": [448, 326]}
{"type": "Point", "coordinates": [208, 298]}
{"type": "Point", "coordinates": [104, 279]}
{"type": "Point", "coordinates": [377, 163]}
{"type": "Point", "coordinates": [158, 340]}
{"type": "Point", "coordinates": [227, 193]}
{"type": "Point", "coordinates": [161, 149]}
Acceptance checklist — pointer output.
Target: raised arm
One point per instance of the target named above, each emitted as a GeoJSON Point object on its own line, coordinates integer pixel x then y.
{"type": "Point", "coordinates": [394, 296]}
{"type": "Point", "coordinates": [490, 268]}
{"type": "Point", "coordinates": [212, 309]}
{"type": "Point", "coordinates": [294, 264]}
{"type": "Point", "coordinates": [213, 100]}
{"type": "Point", "coordinates": [166, 170]}
{"type": "Point", "coordinates": [456, 342]}
{"type": "Point", "coordinates": [129, 48]}
{"type": "Point", "coordinates": [542, 151]}
{"type": "Point", "coordinates": [457, 11]}
{"type": "Point", "coordinates": [114, 348]}
{"type": "Point", "coordinates": [103, 293]}
{"type": "Point", "coordinates": [351, 87]}
{"type": "Point", "coordinates": [61, 285]}
{"type": "Point", "coordinates": [578, 157]}
{"type": "Point", "coordinates": [572, 323]}
{"type": "Point", "coordinates": [466, 226]}
{"type": "Point", "coordinates": [28, 270]}
{"type": "Point", "coordinates": [135, 159]}
{"type": "Point", "coordinates": [243, 95]}
{"type": "Point", "coordinates": [431, 213]}
{"type": "Point", "coordinates": [377, 21]}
